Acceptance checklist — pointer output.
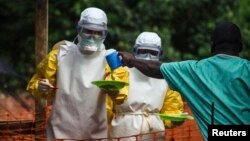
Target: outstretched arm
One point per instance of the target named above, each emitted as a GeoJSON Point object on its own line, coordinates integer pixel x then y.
{"type": "Point", "coordinates": [147, 67]}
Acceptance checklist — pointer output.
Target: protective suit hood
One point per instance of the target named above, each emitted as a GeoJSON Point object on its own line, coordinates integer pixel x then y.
{"type": "Point", "coordinates": [94, 19]}
{"type": "Point", "coordinates": [92, 30]}
{"type": "Point", "coordinates": [148, 41]}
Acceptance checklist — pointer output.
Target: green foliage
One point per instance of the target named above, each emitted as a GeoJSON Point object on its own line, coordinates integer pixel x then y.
{"type": "Point", "coordinates": [184, 26]}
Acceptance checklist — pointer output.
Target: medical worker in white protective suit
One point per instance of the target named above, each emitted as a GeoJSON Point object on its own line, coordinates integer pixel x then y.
{"type": "Point", "coordinates": [79, 107]}
{"type": "Point", "coordinates": [147, 97]}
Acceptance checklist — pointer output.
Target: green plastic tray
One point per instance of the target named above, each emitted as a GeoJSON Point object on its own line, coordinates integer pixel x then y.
{"type": "Point", "coordinates": [110, 84]}
{"type": "Point", "coordinates": [177, 117]}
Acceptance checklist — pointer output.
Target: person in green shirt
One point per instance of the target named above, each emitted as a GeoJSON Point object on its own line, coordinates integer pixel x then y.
{"type": "Point", "coordinates": [217, 88]}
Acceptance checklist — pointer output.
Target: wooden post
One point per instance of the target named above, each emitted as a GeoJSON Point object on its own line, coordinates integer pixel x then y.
{"type": "Point", "coordinates": [41, 42]}
{"type": "Point", "coordinates": [41, 50]}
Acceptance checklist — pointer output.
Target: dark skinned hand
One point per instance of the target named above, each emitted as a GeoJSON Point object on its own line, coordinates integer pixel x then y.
{"type": "Point", "coordinates": [126, 59]}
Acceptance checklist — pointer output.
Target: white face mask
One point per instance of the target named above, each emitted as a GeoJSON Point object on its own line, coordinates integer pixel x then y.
{"type": "Point", "coordinates": [89, 44]}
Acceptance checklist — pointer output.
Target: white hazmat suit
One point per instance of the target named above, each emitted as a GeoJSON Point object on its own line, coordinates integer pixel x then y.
{"type": "Point", "coordinates": [147, 97]}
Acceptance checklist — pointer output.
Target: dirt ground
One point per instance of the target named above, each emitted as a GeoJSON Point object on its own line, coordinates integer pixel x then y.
{"type": "Point", "coordinates": [22, 108]}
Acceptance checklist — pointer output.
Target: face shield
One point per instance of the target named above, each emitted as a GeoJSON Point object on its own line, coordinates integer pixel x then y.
{"type": "Point", "coordinates": [148, 46]}
{"type": "Point", "coordinates": [92, 30]}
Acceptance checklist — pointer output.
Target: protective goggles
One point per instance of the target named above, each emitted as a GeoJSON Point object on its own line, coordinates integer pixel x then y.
{"type": "Point", "coordinates": [97, 31]}
{"type": "Point", "coordinates": [148, 49]}
{"type": "Point", "coordinates": [91, 33]}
